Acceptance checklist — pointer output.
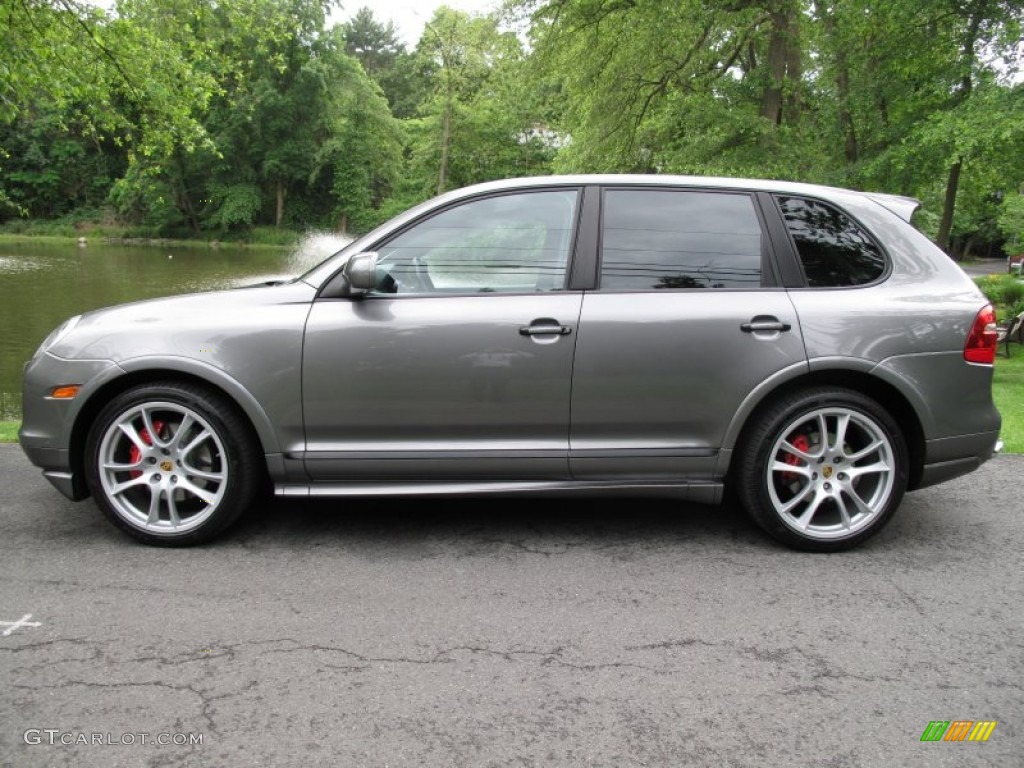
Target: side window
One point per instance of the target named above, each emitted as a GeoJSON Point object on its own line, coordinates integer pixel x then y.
{"type": "Point", "coordinates": [679, 239]}
{"type": "Point", "coordinates": [833, 249]}
{"type": "Point", "coordinates": [506, 244]}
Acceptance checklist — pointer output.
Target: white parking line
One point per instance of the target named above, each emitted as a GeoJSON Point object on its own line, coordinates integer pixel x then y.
{"type": "Point", "coordinates": [22, 622]}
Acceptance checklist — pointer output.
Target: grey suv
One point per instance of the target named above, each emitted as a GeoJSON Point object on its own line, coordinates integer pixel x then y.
{"type": "Point", "coordinates": [803, 346]}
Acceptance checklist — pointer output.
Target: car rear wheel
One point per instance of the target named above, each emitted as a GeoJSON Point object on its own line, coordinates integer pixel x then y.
{"type": "Point", "coordinates": [171, 464]}
{"type": "Point", "coordinates": [823, 469]}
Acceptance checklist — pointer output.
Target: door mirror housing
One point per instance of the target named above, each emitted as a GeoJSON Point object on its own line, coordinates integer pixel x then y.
{"type": "Point", "coordinates": [361, 272]}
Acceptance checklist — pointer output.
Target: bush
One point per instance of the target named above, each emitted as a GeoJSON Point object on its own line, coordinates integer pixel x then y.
{"type": "Point", "coordinates": [1014, 309]}
{"type": "Point", "coordinates": [1005, 292]}
{"type": "Point", "coordinates": [1013, 293]}
{"type": "Point", "coordinates": [272, 236]}
{"type": "Point", "coordinates": [236, 204]}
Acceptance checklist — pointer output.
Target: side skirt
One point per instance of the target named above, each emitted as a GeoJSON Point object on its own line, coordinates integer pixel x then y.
{"type": "Point", "coordinates": [697, 492]}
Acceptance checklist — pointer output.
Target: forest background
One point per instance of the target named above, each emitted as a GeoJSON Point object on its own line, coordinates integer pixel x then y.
{"type": "Point", "coordinates": [257, 119]}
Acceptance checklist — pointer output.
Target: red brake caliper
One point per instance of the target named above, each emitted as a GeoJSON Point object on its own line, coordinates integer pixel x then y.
{"type": "Point", "coordinates": [801, 443]}
{"type": "Point", "coordinates": [135, 454]}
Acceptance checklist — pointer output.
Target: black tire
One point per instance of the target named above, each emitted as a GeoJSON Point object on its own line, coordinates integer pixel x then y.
{"type": "Point", "coordinates": [804, 491]}
{"type": "Point", "coordinates": [171, 463]}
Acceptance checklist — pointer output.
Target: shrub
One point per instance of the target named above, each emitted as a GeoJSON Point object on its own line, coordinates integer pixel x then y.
{"type": "Point", "coordinates": [1014, 309]}
{"type": "Point", "coordinates": [236, 204]}
{"type": "Point", "coordinates": [1004, 291]}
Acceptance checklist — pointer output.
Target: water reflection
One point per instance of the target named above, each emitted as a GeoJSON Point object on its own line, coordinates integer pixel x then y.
{"type": "Point", "coordinates": [41, 284]}
{"type": "Point", "coordinates": [9, 264]}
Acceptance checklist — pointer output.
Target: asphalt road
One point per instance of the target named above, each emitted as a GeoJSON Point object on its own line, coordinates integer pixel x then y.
{"type": "Point", "coordinates": [985, 267]}
{"type": "Point", "coordinates": [512, 633]}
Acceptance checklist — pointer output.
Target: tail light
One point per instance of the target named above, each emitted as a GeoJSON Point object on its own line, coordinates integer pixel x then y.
{"type": "Point", "coordinates": [981, 341]}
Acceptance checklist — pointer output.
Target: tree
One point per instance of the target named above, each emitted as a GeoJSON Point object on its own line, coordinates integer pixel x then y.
{"type": "Point", "coordinates": [977, 17]}
{"type": "Point", "coordinates": [236, 113]}
{"type": "Point", "coordinates": [56, 164]}
{"type": "Point", "coordinates": [1011, 220]}
{"type": "Point", "coordinates": [860, 92]}
{"type": "Point", "coordinates": [362, 160]}
{"type": "Point", "coordinates": [95, 71]}
{"type": "Point", "coordinates": [475, 123]}
{"type": "Point", "coordinates": [373, 44]}
{"type": "Point", "coordinates": [376, 46]}
{"type": "Point", "coordinates": [679, 86]}
{"type": "Point", "coordinates": [266, 121]}
{"type": "Point", "coordinates": [921, 99]}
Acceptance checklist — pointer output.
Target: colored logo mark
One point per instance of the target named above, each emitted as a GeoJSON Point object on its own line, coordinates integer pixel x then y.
{"type": "Point", "coordinates": [958, 730]}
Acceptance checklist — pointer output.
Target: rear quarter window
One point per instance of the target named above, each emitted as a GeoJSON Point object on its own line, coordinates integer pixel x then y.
{"type": "Point", "coordinates": [833, 249]}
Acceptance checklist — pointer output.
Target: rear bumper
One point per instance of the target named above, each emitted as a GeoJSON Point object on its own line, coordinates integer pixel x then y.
{"type": "Point", "coordinates": [955, 456]}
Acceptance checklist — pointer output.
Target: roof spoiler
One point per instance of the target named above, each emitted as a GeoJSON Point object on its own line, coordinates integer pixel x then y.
{"type": "Point", "coordinates": [903, 207]}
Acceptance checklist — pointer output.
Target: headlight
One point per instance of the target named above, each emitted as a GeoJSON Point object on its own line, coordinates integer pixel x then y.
{"type": "Point", "coordinates": [58, 333]}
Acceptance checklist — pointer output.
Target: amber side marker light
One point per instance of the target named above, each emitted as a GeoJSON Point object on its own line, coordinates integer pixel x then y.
{"type": "Point", "coordinates": [65, 392]}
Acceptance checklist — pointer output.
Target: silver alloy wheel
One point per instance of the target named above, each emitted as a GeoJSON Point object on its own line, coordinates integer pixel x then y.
{"type": "Point", "coordinates": [163, 467]}
{"type": "Point", "coordinates": [831, 473]}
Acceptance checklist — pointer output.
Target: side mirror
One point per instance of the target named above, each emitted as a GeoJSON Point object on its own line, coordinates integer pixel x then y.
{"type": "Point", "coordinates": [361, 271]}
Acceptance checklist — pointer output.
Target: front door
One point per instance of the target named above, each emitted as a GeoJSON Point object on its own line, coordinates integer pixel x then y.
{"type": "Point", "coordinates": [459, 364]}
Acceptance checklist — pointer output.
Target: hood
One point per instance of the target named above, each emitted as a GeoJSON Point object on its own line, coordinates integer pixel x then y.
{"type": "Point", "coordinates": [184, 325]}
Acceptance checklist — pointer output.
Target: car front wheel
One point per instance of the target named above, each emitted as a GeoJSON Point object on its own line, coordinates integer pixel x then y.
{"type": "Point", "coordinates": [171, 463]}
{"type": "Point", "coordinates": [823, 469]}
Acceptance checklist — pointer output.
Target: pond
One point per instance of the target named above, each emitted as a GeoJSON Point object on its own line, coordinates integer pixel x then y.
{"type": "Point", "coordinates": [41, 284]}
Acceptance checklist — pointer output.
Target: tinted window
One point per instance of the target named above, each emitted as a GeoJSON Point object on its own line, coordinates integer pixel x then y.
{"type": "Point", "coordinates": [511, 243]}
{"type": "Point", "coordinates": [834, 251]}
{"type": "Point", "coordinates": [668, 239]}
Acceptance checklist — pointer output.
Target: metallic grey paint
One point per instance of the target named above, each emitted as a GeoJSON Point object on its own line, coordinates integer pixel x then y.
{"type": "Point", "coordinates": [430, 376]}
{"type": "Point", "coordinates": [445, 394]}
{"type": "Point", "coordinates": [247, 342]}
{"type": "Point", "coordinates": [641, 381]}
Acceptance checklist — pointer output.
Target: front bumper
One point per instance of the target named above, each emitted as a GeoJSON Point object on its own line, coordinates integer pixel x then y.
{"type": "Point", "coordinates": [48, 425]}
{"type": "Point", "coordinates": [56, 466]}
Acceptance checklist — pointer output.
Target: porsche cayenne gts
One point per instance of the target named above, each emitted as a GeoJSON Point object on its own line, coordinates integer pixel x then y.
{"type": "Point", "coordinates": [804, 348]}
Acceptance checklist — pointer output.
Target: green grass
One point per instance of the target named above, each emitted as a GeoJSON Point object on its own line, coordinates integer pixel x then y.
{"type": "Point", "coordinates": [9, 431]}
{"type": "Point", "coordinates": [102, 225]}
{"type": "Point", "coordinates": [1007, 390]}
{"type": "Point", "coordinates": [99, 225]}
{"type": "Point", "coordinates": [261, 238]}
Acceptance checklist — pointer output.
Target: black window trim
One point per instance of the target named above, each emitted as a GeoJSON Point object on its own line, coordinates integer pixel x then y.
{"type": "Point", "coordinates": [794, 253]}
{"type": "Point", "coordinates": [585, 257]}
{"type": "Point", "coordinates": [331, 289]}
{"type": "Point", "coordinates": [770, 273]}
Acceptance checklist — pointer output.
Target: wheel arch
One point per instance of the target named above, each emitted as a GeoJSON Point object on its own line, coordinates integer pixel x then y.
{"type": "Point", "coordinates": [139, 372]}
{"type": "Point", "coordinates": [858, 379]}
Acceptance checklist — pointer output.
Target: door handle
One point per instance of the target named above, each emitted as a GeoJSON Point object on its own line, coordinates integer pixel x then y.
{"type": "Point", "coordinates": [764, 324]}
{"type": "Point", "coordinates": [545, 330]}
{"type": "Point", "coordinates": [545, 326]}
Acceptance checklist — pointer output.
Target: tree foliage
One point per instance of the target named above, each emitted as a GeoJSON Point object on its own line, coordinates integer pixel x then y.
{"type": "Point", "coordinates": [209, 115]}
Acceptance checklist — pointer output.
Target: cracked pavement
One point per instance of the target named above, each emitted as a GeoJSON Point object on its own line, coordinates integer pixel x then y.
{"type": "Point", "coordinates": [514, 633]}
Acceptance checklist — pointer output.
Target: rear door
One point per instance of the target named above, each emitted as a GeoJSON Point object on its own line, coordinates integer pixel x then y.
{"type": "Point", "coordinates": [686, 322]}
